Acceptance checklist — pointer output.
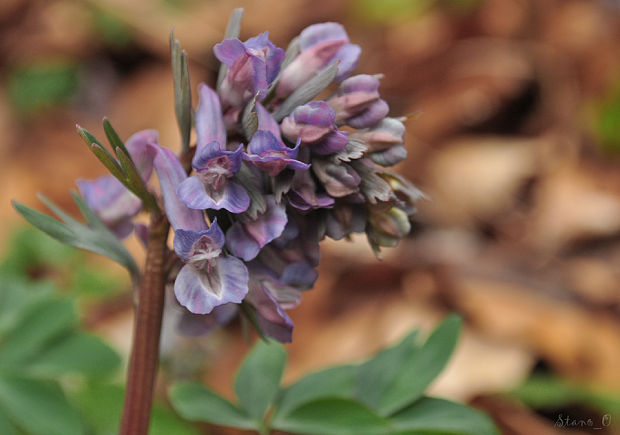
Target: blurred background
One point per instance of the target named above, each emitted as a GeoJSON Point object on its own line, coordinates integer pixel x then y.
{"type": "Point", "coordinates": [518, 147]}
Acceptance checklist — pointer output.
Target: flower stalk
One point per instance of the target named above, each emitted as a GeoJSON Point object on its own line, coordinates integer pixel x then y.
{"type": "Point", "coordinates": [143, 362]}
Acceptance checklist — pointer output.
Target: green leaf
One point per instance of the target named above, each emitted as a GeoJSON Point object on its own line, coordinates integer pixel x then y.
{"type": "Point", "coordinates": [335, 416]}
{"type": "Point", "coordinates": [420, 368]}
{"type": "Point", "coordinates": [77, 353]}
{"type": "Point", "coordinates": [96, 238]}
{"type": "Point", "coordinates": [16, 297]}
{"type": "Point", "coordinates": [430, 415]}
{"type": "Point", "coordinates": [6, 427]}
{"type": "Point", "coordinates": [259, 377]}
{"type": "Point", "coordinates": [376, 377]}
{"type": "Point", "coordinates": [307, 91]}
{"type": "Point", "coordinates": [113, 137]}
{"type": "Point", "coordinates": [333, 382]}
{"type": "Point", "coordinates": [196, 403]}
{"type": "Point", "coordinates": [42, 323]}
{"type": "Point", "coordinates": [101, 405]}
{"type": "Point", "coordinates": [42, 85]}
{"type": "Point", "coordinates": [38, 407]}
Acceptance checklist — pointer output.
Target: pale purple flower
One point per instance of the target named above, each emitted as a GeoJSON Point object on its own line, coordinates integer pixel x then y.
{"type": "Point", "coordinates": [357, 102]}
{"type": "Point", "coordinates": [270, 315]}
{"type": "Point", "coordinates": [212, 187]}
{"type": "Point", "coordinates": [269, 154]}
{"type": "Point", "coordinates": [384, 141]}
{"type": "Point", "coordinates": [314, 123]}
{"type": "Point", "coordinates": [106, 196]}
{"type": "Point", "coordinates": [320, 45]}
{"type": "Point", "coordinates": [252, 66]}
{"type": "Point", "coordinates": [246, 237]}
{"type": "Point", "coordinates": [209, 278]}
{"type": "Point", "coordinates": [303, 194]}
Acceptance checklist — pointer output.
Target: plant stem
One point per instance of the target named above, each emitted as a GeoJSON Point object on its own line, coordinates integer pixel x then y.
{"type": "Point", "coordinates": [147, 328]}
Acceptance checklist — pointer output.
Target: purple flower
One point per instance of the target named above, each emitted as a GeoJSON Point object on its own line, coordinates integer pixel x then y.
{"type": "Point", "coordinates": [338, 179]}
{"type": "Point", "coordinates": [106, 196]}
{"type": "Point", "coordinates": [357, 102]}
{"type": "Point", "coordinates": [252, 66]}
{"type": "Point", "coordinates": [208, 279]}
{"type": "Point", "coordinates": [211, 187]}
{"type": "Point", "coordinates": [171, 174]}
{"type": "Point", "coordinates": [269, 154]}
{"type": "Point", "coordinates": [270, 316]}
{"type": "Point", "coordinates": [320, 45]}
{"type": "Point", "coordinates": [246, 237]}
{"type": "Point", "coordinates": [314, 123]}
{"type": "Point", "coordinates": [384, 141]}
{"type": "Point", "coordinates": [303, 194]}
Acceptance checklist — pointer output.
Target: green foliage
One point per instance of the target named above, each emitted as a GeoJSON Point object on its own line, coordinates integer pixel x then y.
{"type": "Point", "coordinates": [54, 377]}
{"type": "Point", "coordinates": [94, 237]}
{"type": "Point", "coordinates": [41, 85]}
{"type": "Point", "coordinates": [606, 121]}
{"type": "Point", "coordinates": [259, 377]}
{"type": "Point", "coordinates": [40, 342]}
{"type": "Point", "coordinates": [101, 406]}
{"type": "Point", "coordinates": [544, 391]}
{"type": "Point", "coordinates": [383, 395]}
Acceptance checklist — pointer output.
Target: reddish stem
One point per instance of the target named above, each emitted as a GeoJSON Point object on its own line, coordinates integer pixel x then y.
{"type": "Point", "coordinates": [147, 328]}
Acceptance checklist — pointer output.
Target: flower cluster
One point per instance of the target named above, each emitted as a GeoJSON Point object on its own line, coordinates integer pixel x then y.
{"type": "Point", "coordinates": [273, 173]}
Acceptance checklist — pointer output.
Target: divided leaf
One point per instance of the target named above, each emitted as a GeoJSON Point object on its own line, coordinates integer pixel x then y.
{"type": "Point", "coordinates": [258, 379]}
{"type": "Point", "coordinates": [420, 368]}
{"type": "Point", "coordinates": [196, 403]}
{"type": "Point", "coordinates": [430, 415]}
{"type": "Point", "coordinates": [334, 382]}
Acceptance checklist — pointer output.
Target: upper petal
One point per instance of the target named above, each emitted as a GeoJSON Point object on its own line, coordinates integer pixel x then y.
{"type": "Point", "coordinates": [171, 174]}
{"type": "Point", "coordinates": [209, 121]}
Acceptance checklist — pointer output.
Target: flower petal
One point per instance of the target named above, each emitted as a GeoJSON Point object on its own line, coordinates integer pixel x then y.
{"type": "Point", "coordinates": [349, 56]}
{"type": "Point", "coordinates": [200, 290]}
{"type": "Point", "coordinates": [209, 122]}
{"type": "Point", "coordinates": [271, 318]}
{"type": "Point", "coordinates": [142, 153]}
{"type": "Point", "coordinates": [171, 175]}
{"type": "Point", "coordinates": [184, 240]}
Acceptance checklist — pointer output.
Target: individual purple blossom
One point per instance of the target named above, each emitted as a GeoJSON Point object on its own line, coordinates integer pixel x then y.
{"type": "Point", "coordinates": [320, 45]}
{"type": "Point", "coordinates": [357, 102]}
{"type": "Point", "coordinates": [208, 279]}
{"type": "Point", "coordinates": [246, 237]}
{"type": "Point", "coordinates": [270, 315]}
{"type": "Point", "coordinates": [252, 66]}
{"type": "Point", "coordinates": [303, 194]}
{"type": "Point", "coordinates": [384, 141]}
{"type": "Point", "coordinates": [314, 123]}
{"type": "Point", "coordinates": [212, 187]}
{"type": "Point", "coordinates": [269, 154]}
{"type": "Point", "coordinates": [114, 204]}
{"type": "Point", "coordinates": [338, 179]}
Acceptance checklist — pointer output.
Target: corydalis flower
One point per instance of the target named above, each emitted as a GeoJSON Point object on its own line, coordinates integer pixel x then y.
{"type": "Point", "coordinates": [269, 154]}
{"type": "Point", "coordinates": [357, 102]}
{"type": "Point", "coordinates": [212, 187]}
{"type": "Point", "coordinates": [208, 279]}
{"type": "Point", "coordinates": [106, 196]}
{"type": "Point", "coordinates": [314, 123]}
{"type": "Point", "coordinates": [252, 66]}
{"type": "Point", "coordinates": [320, 45]}
{"type": "Point", "coordinates": [246, 237]}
